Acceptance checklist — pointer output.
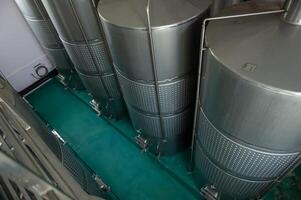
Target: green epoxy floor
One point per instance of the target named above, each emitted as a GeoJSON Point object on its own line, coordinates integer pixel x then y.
{"type": "Point", "coordinates": [108, 148]}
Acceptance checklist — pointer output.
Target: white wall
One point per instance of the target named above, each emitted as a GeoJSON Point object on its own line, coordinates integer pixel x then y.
{"type": "Point", "coordinates": [19, 49]}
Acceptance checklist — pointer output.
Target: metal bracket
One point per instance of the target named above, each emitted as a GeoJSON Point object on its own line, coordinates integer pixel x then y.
{"type": "Point", "coordinates": [57, 135]}
{"type": "Point", "coordinates": [62, 79]}
{"type": "Point", "coordinates": [103, 187]}
{"type": "Point", "coordinates": [95, 106]}
{"type": "Point", "coordinates": [210, 192]}
{"type": "Point", "coordinates": [7, 142]}
{"type": "Point", "coordinates": [142, 142]}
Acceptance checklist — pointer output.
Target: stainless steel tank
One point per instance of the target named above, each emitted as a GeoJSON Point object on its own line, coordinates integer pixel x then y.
{"type": "Point", "coordinates": [249, 115]}
{"type": "Point", "coordinates": [79, 29]}
{"type": "Point", "coordinates": [156, 58]}
{"type": "Point", "coordinates": [39, 22]}
{"type": "Point", "coordinates": [219, 5]}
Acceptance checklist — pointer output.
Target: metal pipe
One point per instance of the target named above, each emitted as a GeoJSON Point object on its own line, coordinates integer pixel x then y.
{"type": "Point", "coordinates": [293, 12]}
{"type": "Point", "coordinates": [218, 5]}
{"type": "Point", "coordinates": [202, 49]}
{"type": "Point", "coordinates": [154, 68]}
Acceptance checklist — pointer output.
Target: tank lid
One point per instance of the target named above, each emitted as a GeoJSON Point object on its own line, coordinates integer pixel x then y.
{"type": "Point", "coordinates": [262, 49]}
{"type": "Point", "coordinates": [132, 14]}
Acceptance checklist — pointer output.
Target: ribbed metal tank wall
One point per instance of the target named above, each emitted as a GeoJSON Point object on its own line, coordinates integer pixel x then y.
{"type": "Point", "coordinates": [156, 69]}
{"type": "Point", "coordinates": [39, 22]}
{"type": "Point", "coordinates": [79, 29]}
{"type": "Point", "coordinates": [249, 122]}
{"type": "Point", "coordinates": [27, 135]}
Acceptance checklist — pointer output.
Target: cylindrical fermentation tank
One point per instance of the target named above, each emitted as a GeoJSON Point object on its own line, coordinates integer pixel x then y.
{"type": "Point", "coordinates": [39, 22]}
{"type": "Point", "coordinates": [156, 58]}
{"type": "Point", "coordinates": [79, 29]}
{"type": "Point", "coordinates": [249, 115]}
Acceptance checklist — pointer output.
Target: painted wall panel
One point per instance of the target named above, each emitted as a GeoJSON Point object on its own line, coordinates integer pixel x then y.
{"type": "Point", "coordinates": [20, 52]}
